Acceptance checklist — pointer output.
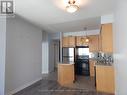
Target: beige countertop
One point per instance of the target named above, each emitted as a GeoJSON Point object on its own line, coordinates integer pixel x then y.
{"type": "Point", "coordinates": [71, 63]}
{"type": "Point", "coordinates": [103, 64]}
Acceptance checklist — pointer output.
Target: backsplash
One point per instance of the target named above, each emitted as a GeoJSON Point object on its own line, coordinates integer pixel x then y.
{"type": "Point", "coordinates": [100, 57]}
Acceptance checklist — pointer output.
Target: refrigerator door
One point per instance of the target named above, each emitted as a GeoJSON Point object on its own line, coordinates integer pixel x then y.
{"type": "Point", "coordinates": [68, 55]}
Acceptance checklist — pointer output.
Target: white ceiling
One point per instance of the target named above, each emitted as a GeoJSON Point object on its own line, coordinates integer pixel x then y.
{"type": "Point", "coordinates": [51, 15]}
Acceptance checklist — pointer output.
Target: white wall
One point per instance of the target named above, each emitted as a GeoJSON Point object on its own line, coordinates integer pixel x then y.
{"type": "Point", "coordinates": [120, 46]}
{"type": "Point", "coordinates": [45, 53]}
{"type": "Point", "coordinates": [2, 53]}
{"type": "Point", "coordinates": [24, 54]}
{"type": "Point", "coordinates": [107, 19]}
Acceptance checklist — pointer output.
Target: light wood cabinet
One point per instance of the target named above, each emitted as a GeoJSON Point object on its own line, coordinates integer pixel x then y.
{"type": "Point", "coordinates": [100, 43]}
{"type": "Point", "coordinates": [79, 41]}
{"type": "Point", "coordinates": [71, 41]}
{"type": "Point", "coordinates": [65, 42]}
{"type": "Point", "coordinates": [68, 41]}
{"type": "Point", "coordinates": [92, 71]}
{"type": "Point", "coordinates": [65, 74]}
{"type": "Point", "coordinates": [105, 79]}
{"type": "Point", "coordinates": [106, 38]}
{"type": "Point", "coordinates": [94, 43]}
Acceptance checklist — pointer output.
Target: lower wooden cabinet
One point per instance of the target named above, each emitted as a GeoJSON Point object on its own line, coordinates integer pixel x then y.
{"type": "Point", "coordinates": [66, 74]}
{"type": "Point", "coordinates": [105, 79]}
{"type": "Point", "coordinates": [91, 65]}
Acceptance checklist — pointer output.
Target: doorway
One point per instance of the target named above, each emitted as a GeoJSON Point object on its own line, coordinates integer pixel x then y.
{"type": "Point", "coordinates": [56, 53]}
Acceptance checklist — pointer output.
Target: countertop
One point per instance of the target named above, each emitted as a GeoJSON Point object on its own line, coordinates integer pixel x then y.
{"type": "Point", "coordinates": [71, 63]}
{"type": "Point", "coordinates": [103, 64]}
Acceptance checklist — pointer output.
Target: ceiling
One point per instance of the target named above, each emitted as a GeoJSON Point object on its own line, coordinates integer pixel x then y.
{"type": "Point", "coordinates": [51, 16]}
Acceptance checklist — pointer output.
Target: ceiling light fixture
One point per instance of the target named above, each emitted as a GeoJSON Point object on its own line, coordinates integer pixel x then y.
{"type": "Point", "coordinates": [86, 37]}
{"type": "Point", "coordinates": [72, 7]}
{"type": "Point", "coordinates": [85, 40]}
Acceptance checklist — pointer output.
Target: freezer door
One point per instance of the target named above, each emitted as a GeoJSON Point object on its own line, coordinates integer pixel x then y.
{"type": "Point", "coordinates": [68, 55]}
{"type": "Point", "coordinates": [68, 60]}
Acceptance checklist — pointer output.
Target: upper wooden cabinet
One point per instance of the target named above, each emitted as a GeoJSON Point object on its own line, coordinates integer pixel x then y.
{"type": "Point", "coordinates": [106, 38]}
{"type": "Point", "coordinates": [94, 43]}
{"type": "Point", "coordinates": [68, 41]}
{"type": "Point", "coordinates": [79, 41]}
{"type": "Point", "coordinates": [71, 41]}
{"type": "Point", "coordinates": [65, 42]}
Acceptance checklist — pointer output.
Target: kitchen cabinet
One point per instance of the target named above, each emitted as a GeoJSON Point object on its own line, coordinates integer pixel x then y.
{"type": "Point", "coordinates": [71, 41]}
{"type": "Point", "coordinates": [79, 41]}
{"type": "Point", "coordinates": [92, 64]}
{"type": "Point", "coordinates": [106, 38]}
{"type": "Point", "coordinates": [105, 79]}
{"type": "Point", "coordinates": [100, 43]}
{"type": "Point", "coordinates": [65, 42]}
{"type": "Point", "coordinates": [65, 73]}
{"type": "Point", "coordinates": [68, 41]}
{"type": "Point", "coordinates": [94, 43]}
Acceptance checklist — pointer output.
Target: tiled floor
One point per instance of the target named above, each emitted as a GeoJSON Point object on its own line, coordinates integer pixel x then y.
{"type": "Point", "coordinates": [49, 86]}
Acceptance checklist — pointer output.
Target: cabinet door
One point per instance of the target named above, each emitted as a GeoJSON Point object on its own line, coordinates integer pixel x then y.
{"type": "Point", "coordinates": [65, 42]}
{"type": "Point", "coordinates": [68, 41]}
{"type": "Point", "coordinates": [106, 37]}
{"type": "Point", "coordinates": [94, 43]}
{"type": "Point", "coordinates": [100, 43]}
{"type": "Point", "coordinates": [71, 41]}
{"type": "Point", "coordinates": [92, 71]}
{"type": "Point", "coordinates": [105, 79]}
{"type": "Point", "coordinates": [80, 41]}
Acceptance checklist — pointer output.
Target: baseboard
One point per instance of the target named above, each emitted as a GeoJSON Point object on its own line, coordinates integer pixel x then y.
{"type": "Point", "coordinates": [24, 86]}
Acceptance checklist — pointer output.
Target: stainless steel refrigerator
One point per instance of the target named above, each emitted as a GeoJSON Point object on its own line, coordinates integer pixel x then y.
{"type": "Point", "coordinates": [68, 55]}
